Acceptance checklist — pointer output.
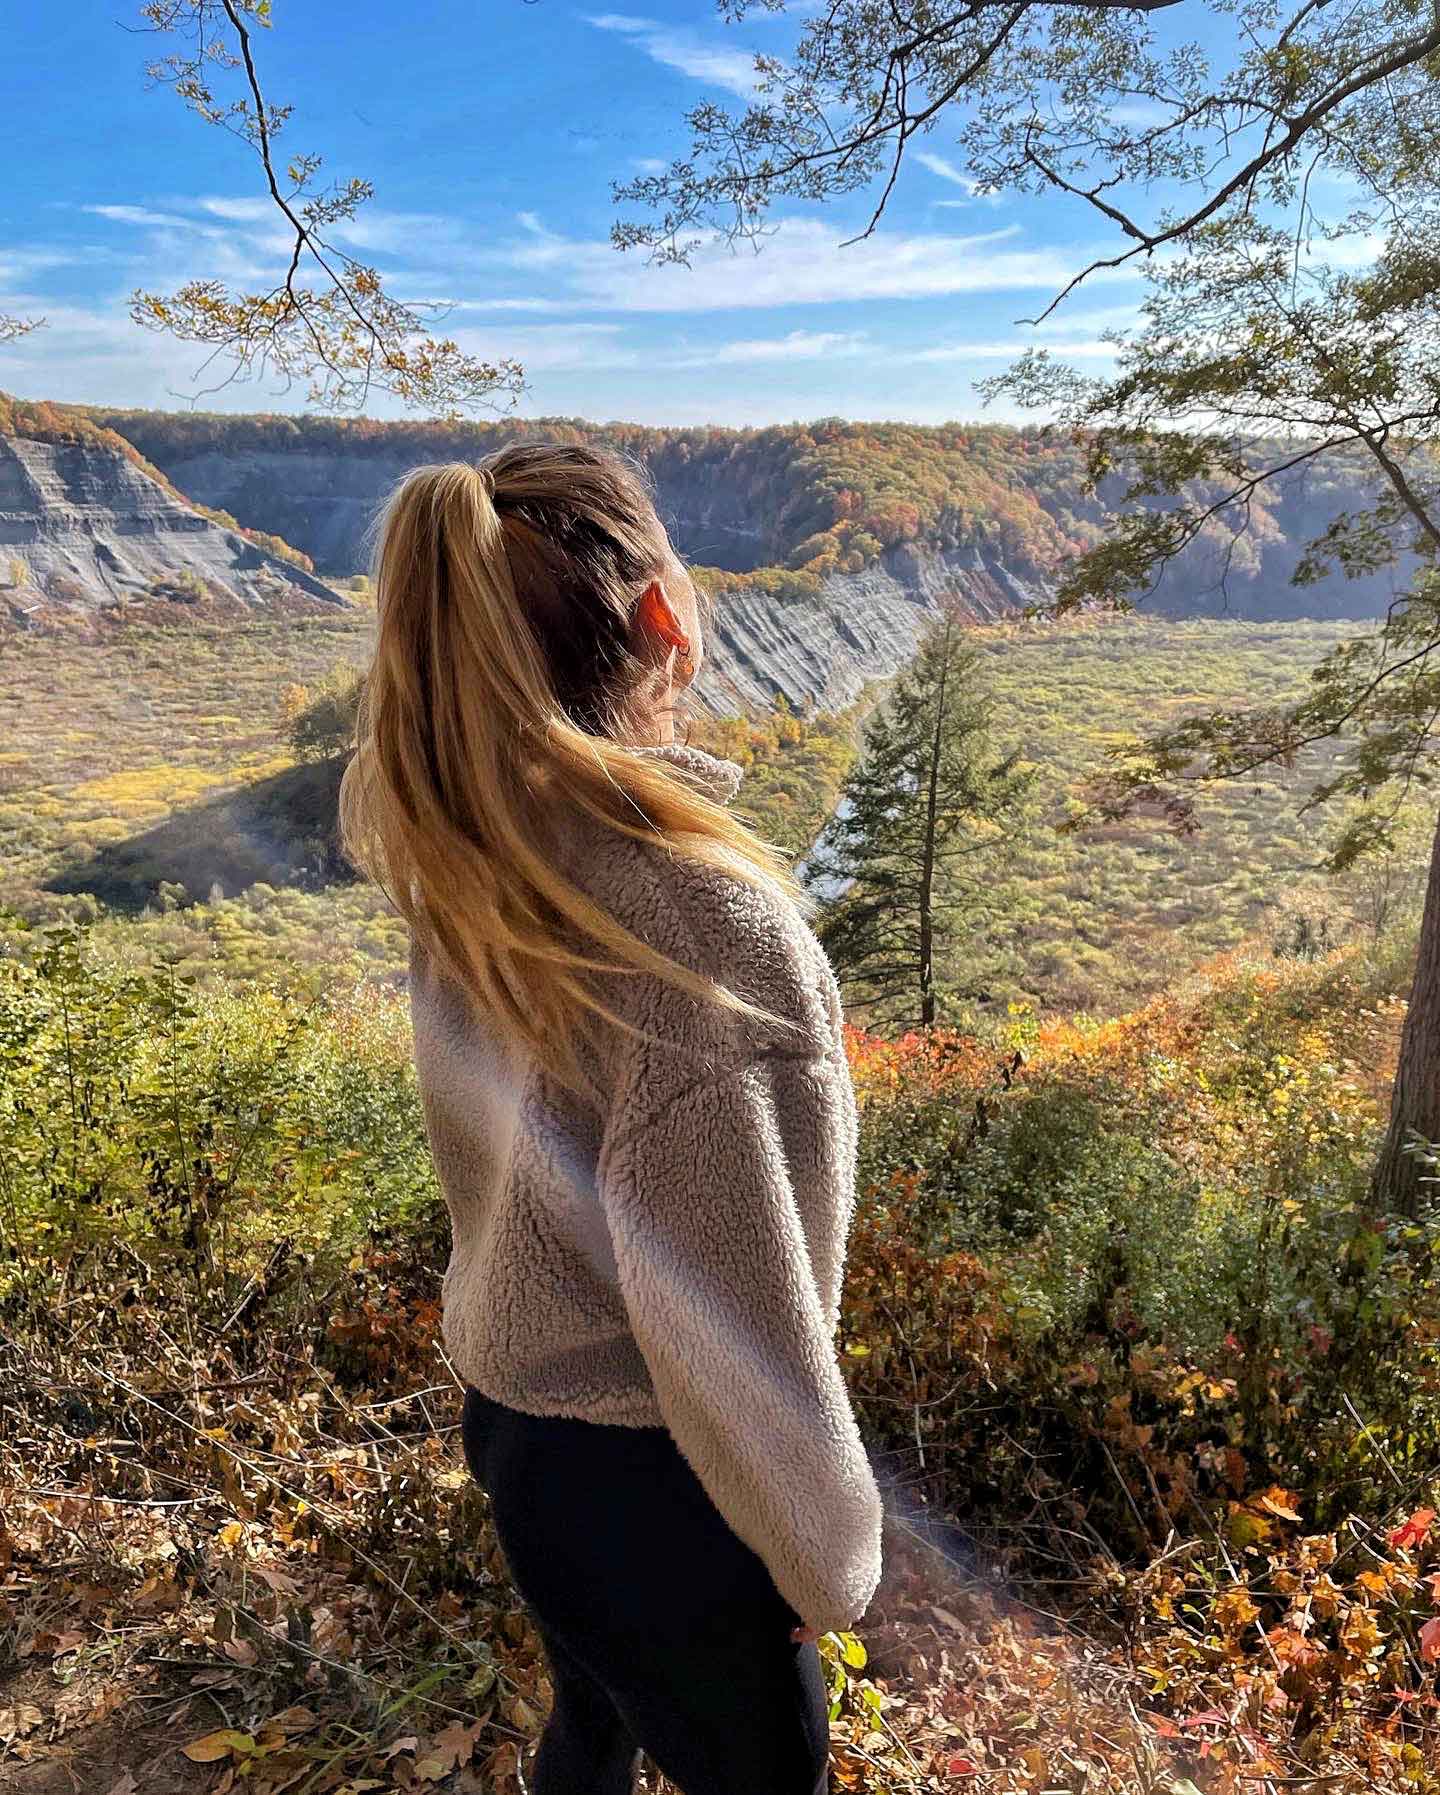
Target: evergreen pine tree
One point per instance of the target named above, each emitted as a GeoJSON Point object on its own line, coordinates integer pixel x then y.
{"type": "Point", "coordinates": [911, 849]}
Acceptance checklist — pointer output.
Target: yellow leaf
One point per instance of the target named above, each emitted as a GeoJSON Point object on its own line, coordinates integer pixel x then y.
{"type": "Point", "coordinates": [214, 1746]}
{"type": "Point", "coordinates": [1359, 1634]}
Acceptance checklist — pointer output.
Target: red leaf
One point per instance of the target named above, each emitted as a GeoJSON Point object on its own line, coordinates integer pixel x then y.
{"type": "Point", "coordinates": [1430, 1641]}
{"type": "Point", "coordinates": [1415, 1531]}
{"type": "Point", "coordinates": [960, 1766]}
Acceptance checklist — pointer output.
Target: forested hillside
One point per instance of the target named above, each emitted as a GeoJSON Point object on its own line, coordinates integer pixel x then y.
{"type": "Point", "coordinates": [793, 506]}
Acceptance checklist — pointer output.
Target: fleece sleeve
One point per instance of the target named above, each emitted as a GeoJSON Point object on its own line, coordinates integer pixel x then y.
{"type": "Point", "coordinates": [715, 1272]}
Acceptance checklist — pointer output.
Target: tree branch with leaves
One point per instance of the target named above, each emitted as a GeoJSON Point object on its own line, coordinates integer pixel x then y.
{"type": "Point", "coordinates": [328, 320]}
{"type": "Point", "coordinates": [1275, 186]}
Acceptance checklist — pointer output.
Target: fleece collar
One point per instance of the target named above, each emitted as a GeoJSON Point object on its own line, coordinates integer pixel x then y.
{"type": "Point", "coordinates": [720, 778]}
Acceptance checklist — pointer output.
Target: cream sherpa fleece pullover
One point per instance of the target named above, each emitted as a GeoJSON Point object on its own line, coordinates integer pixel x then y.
{"type": "Point", "coordinates": [673, 1258]}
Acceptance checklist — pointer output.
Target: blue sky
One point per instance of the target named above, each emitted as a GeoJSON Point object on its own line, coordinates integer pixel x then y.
{"type": "Point", "coordinates": [492, 132]}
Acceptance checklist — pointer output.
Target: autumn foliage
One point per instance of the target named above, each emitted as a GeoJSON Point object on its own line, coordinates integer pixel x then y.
{"type": "Point", "coordinates": [1151, 1390]}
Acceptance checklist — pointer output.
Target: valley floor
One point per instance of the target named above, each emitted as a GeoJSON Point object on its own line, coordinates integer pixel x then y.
{"type": "Point", "coordinates": [147, 789]}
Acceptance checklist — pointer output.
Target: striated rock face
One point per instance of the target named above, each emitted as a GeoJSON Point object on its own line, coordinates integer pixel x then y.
{"type": "Point", "coordinates": [327, 503]}
{"type": "Point", "coordinates": [83, 531]}
{"type": "Point", "coordinates": [861, 626]}
{"type": "Point", "coordinates": [1002, 513]}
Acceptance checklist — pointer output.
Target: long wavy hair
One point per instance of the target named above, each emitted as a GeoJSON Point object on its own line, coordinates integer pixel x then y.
{"type": "Point", "coordinates": [504, 692]}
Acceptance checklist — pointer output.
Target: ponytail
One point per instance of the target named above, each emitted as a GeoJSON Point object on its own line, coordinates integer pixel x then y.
{"type": "Point", "coordinates": [500, 698]}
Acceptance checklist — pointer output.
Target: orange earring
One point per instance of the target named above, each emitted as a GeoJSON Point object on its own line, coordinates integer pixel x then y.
{"type": "Point", "coordinates": [658, 617]}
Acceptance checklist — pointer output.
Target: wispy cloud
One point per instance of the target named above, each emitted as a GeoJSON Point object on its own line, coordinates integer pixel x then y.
{"type": "Point", "coordinates": [676, 48]}
{"type": "Point", "coordinates": [236, 211]}
{"type": "Point", "coordinates": [947, 171]}
{"type": "Point", "coordinates": [798, 345]}
{"type": "Point", "coordinates": [138, 215]}
{"type": "Point", "coordinates": [593, 347]}
{"type": "Point", "coordinates": [804, 262]}
{"type": "Point", "coordinates": [167, 247]}
{"type": "Point", "coordinates": [1007, 350]}
{"type": "Point", "coordinates": [19, 264]}
{"type": "Point", "coordinates": [552, 348]}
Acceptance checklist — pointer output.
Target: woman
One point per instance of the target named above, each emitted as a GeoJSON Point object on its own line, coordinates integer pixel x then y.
{"type": "Point", "coordinates": [629, 1050]}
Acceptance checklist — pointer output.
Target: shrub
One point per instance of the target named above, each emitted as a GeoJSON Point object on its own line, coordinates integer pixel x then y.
{"type": "Point", "coordinates": [1141, 1254]}
{"type": "Point", "coordinates": [320, 719]}
{"type": "Point", "coordinates": [193, 1132]}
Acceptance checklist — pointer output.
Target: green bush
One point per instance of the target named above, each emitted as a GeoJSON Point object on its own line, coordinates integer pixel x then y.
{"type": "Point", "coordinates": [154, 1127]}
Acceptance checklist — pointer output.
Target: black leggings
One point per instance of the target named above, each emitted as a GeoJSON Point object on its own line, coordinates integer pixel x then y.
{"type": "Point", "coordinates": [663, 1631]}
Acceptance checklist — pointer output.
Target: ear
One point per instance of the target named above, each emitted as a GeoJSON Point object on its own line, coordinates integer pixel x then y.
{"type": "Point", "coordinates": [654, 614]}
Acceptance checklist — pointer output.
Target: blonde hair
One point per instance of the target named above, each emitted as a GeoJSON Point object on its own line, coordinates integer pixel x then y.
{"type": "Point", "coordinates": [503, 693]}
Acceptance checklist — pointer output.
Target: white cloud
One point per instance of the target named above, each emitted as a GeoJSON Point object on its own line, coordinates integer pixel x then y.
{"type": "Point", "coordinates": [167, 248]}
{"type": "Point", "coordinates": [676, 48]}
{"type": "Point", "coordinates": [237, 211]}
{"type": "Point", "coordinates": [139, 215]}
{"type": "Point", "coordinates": [947, 171]}
{"type": "Point", "coordinates": [804, 262]}
{"type": "Point", "coordinates": [799, 345]}
{"type": "Point", "coordinates": [649, 165]}
{"type": "Point", "coordinates": [591, 347]}
{"type": "Point", "coordinates": [1142, 114]}
{"type": "Point", "coordinates": [18, 264]}
{"type": "Point", "coordinates": [1356, 249]}
{"type": "Point", "coordinates": [517, 304]}
{"type": "Point", "coordinates": [87, 355]}
{"type": "Point", "coordinates": [1081, 349]}
{"type": "Point", "coordinates": [554, 348]}
{"type": "Point", "coordinates": [1088, 320]}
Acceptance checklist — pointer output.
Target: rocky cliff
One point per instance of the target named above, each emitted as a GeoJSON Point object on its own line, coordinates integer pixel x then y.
{"type": "Point", "coordinates": [857, 627]}
{"type": "Point", "coordinates": [85, 531]}
{"type": "Point", "coordinates": [829, 544]}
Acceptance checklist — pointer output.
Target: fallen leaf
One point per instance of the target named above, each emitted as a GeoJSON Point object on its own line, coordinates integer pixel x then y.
{"type": "Point", "coordinates": [1430, 1641]}
{"type": "Point", "coordinates": [296, 1720]}
{"type": "Point", "coordinates": [17, 1721]}
{"type": "Point", "coordinates": [214, 1746]}
{"type": "Point", "coordinates": [455, 1745]}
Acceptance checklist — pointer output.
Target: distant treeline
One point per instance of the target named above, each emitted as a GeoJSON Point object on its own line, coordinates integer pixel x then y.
{"type": "Point", "coordinates": [802, 501]}
{"type": "Point", "coordinates": [787, 505]}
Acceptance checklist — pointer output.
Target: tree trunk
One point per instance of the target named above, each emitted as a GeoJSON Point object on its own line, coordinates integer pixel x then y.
{"type": "Point", "coordinates": [1415, 1105]}
{"type": "Point", "coordinates": [927, 868]}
